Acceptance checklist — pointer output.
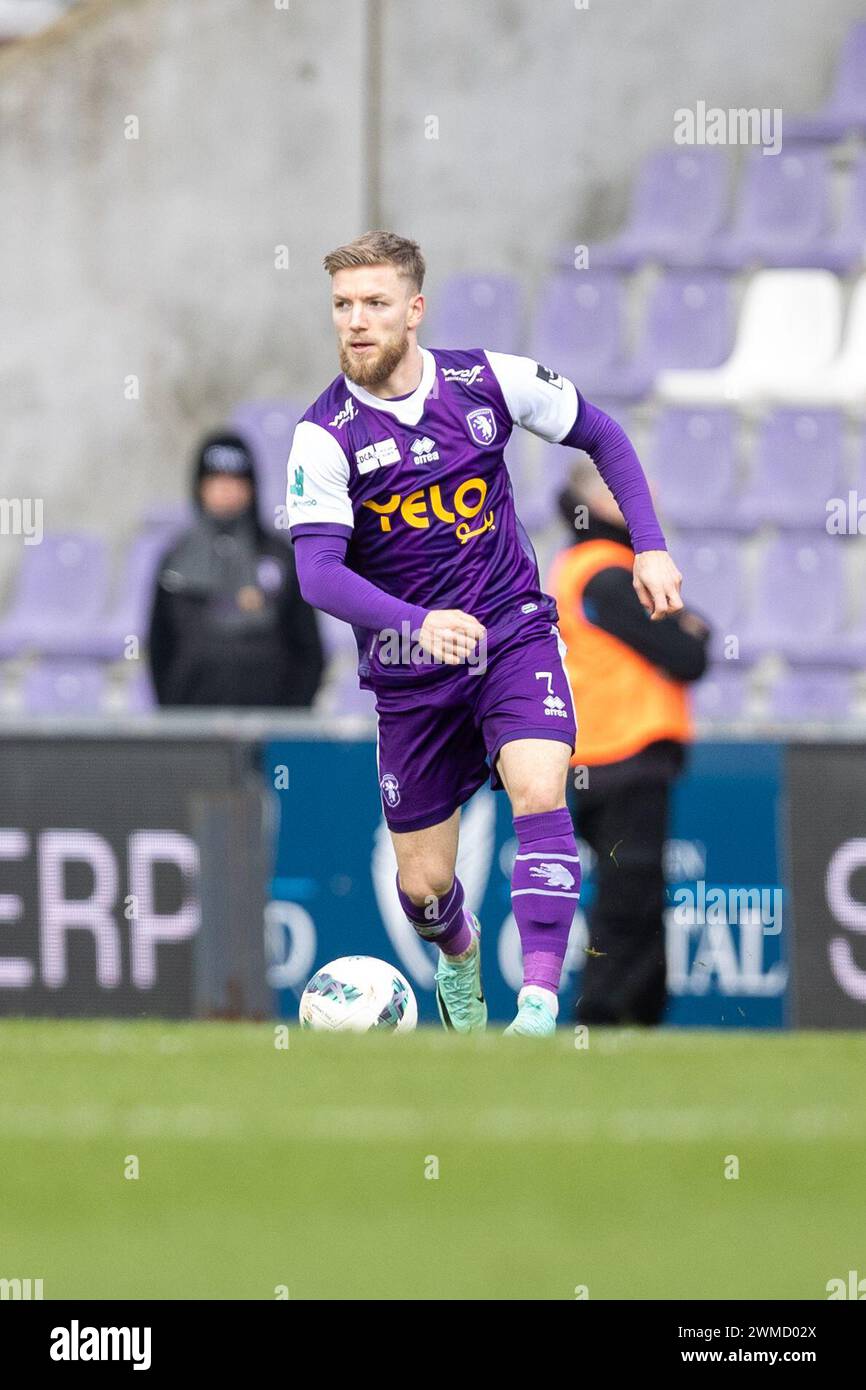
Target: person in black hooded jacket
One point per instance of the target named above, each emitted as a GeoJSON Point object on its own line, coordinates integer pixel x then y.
{"type": "Point", "coordinates": [228, 623]}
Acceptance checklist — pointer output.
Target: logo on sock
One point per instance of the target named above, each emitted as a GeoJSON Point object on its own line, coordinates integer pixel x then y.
{"type": "Point", "coordinates": [555, 875]}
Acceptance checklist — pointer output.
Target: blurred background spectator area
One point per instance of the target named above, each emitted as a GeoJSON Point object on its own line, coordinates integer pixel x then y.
{"type": "Point", "coordinates": [711, 299]}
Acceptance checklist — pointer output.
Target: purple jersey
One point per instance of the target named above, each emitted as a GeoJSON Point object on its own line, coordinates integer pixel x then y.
{"type": "Point", "coordinates": [420, 489]}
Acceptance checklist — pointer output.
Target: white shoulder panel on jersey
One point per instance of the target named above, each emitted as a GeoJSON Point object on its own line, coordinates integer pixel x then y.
{"type": "Point", "coordinates": [537, 398]}
{"type": "Point", "coordinates": [318, 478]}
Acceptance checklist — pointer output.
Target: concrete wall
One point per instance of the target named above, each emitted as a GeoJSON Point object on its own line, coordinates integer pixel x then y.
{"type": "Point", "coordinates": [155, 256]}
{"type": "Point", "coordinates": [545, 110]}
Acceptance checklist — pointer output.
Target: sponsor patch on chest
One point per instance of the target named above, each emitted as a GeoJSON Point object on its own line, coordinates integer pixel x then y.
{"type": "Point", "coordinates": [377, 455]}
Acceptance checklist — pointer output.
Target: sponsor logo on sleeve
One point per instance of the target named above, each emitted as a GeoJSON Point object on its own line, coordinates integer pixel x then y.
{"type": "Point", "coordinates": [552, 378]}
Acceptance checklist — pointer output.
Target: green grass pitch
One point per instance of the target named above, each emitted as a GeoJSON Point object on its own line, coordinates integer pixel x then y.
{"type": "Point", "coordinates": [306, 1167]}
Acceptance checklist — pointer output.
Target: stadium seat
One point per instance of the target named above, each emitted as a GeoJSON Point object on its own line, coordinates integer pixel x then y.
{"type": "Point", "coordinates": [692, 459]}
{"type": "Point", "coordinates": [799, 603]}
{"type": "Point", "coordinates": [845, 110]}
{"type": "Point", "coordinates": [783, 214]}
{"type": "Point", "coordinates": [130, 616]}
{"type": "Point", "coordinates": [689, 323]}
{"type": "Point", "coordinates": [578, 328]}
{"type": "Point", "coordinates": [533, 484]}
{"type": "Point", "coordinates": [55, 686]}
{"type": "Point", "coordinates": [337, 637]}
{"type": "Point", "coordinates": [139, 694]}
{"type": "Point", "coordinates": [841, 381]}
{"type": "Point", "coordinates": [268, 428]}
{"type": "Point", "coordinates": [60, 593]}
{"type": "Point", "coordinates": [680, 201]}
{"type": "Point", "coordinates": [539, 485]}
{"type": "Point", "coordinates": [790, 324]}
{"type": "Point", "coordinates": [346, 697]}
{"type": "Point", "coordinates": [847, 246]}
{"type": "Point", "coordinates": [711, 566]}
{"type": "Point", "coordinates": [720, 694]}
{"type": "Point", "coordinates": [471, 311]}
{"type": "Point", "coordinates": [806, 695]}
{"type": "Point", "coordinates": [799, 464]}
{"type": "Point", "coordinates": [168, 517]}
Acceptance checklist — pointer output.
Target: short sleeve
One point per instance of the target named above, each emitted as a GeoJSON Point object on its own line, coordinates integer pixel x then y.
{"type": "Point", "coordinates": [318, 480]}
{"type": "Point", "coordinates": [538, 399]}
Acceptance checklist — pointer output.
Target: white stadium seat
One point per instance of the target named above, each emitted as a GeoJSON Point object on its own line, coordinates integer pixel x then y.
{"type": "Point", "coordinates": [843, 381]}
{"type": "Point", "coordinates": [790, 325]}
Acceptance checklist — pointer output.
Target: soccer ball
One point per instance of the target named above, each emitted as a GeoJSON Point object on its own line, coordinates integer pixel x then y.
{"type": "Point", "coordinates": [357, 994]}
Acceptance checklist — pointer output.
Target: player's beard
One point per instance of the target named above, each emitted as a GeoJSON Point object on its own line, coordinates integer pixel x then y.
{"type": "Point", "coordinates": [373, 368]}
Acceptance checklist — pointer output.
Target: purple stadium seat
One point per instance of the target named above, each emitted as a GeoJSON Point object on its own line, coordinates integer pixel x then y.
{"type": "Point", "coordinates": [471, 311]}
{"type": "Point", "coordinates": [720, 694]}
{"type": "Point", "coordinates": [689, 324]}
{"type": "Point", "coordinates": [680, 201]}
{"type": "Point", "coordinates": [783, 216]}
{"type": "Point", "coordinates": [337, 637]}
{"type": "Point", "coordinates": [347, 697]}
{"type": "Point", "coordinates": [692, 460]}
{"type": "Point", "coordinates": [798, 465]}
{"type": "Point", "coordinates": [168, 517]}
{"type": "Point", "coordinates": [846, 108]}
{"type": "Point", "coordinates": [578, 328]}
{"type": "Point", "coordinates": [60, 593]}
{"type": "Point", "coordinates": [847, 247]}
{"type": "Point", "coordinates": [805, 695]}
{"type": "Point", "coordinates": [799, 605]}
{"type": "Point", "coordinates": [537, 486]}
{"type": "Point", "coordinates": [860, 480]}
{"type": "Point", "coordinates": [64, 687]}
{"type": "Point", "coordinates": [711, 566]}
{"type": "Point", "coordinates": [130, 615]}
{"type": "Point", "coordinates": [268, 427]}
{"type": "Point", "coordinates": [140, 694]}
{"type": "Point", "coordinates": [534, 480]}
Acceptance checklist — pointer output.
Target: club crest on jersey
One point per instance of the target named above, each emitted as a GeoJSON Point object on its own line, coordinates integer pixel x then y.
{"type": "Point", "coordinates": [425, 450]}
{"type": "Point", "coordinates": [482, 425]}
{"type": "Point", "coordinates": [377, 455]}
{"type": "Point", "coordinates": [343, 416]}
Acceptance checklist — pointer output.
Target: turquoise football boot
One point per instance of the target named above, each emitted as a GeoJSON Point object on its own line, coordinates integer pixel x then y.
{"type": "Point", "coordinates": [459, 996]}
{"type": "Point", "coordinates": [534, 1020]}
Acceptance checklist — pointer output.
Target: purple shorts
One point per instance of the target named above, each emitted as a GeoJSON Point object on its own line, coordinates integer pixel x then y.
{"type": "Point", "coordinates": [437, 746]}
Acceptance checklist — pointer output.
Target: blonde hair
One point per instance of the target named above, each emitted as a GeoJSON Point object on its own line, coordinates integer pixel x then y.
{"type": "Point", "coordinates": [380, 248]}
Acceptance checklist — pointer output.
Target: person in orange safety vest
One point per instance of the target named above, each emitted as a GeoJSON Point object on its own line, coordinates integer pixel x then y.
{"type": "Point", "coordinates": [630, 679]}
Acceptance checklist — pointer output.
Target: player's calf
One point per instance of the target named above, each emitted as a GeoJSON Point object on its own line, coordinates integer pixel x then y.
{"type": "Point", "coordinates": [545, 887]}
{"type": "Point", "coordinates": [447, 922]}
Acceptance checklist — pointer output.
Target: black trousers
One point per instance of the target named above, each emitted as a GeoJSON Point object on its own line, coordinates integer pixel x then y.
{"type": "Point", "coordinates": [626, 826]}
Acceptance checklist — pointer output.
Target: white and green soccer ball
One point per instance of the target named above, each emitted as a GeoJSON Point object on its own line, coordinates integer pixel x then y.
{"type": "Point", "coordinates": [358, 994]}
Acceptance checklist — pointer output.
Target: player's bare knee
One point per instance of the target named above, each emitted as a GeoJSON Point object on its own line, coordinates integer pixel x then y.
{"type": "Point", "coordinates": [424, 883]}
{"type": "Point", "coordinates": [537, 798]}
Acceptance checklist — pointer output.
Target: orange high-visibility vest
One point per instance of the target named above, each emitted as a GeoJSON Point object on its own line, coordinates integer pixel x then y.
{"type": "Point", "coordinates": [623, 702]}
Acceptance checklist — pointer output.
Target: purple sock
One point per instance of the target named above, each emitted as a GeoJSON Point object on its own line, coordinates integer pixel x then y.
{"type": "Point", "coordinates": [545, 886]}
{"type": "Point", "coordinates": [443, 921]}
